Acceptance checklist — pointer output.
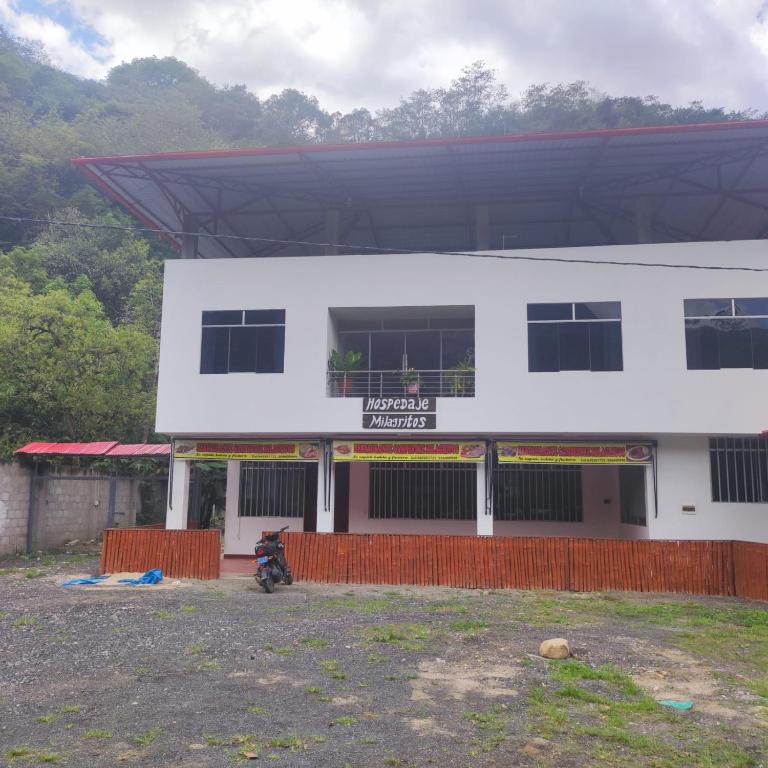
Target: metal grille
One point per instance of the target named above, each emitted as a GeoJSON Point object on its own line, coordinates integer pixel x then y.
{"type": "Point", "coordinates": [272, 489]}
{"type": "Point", "coordinates": [422, 490]}
{"type": "Point", "coordinates": [541, 493]}
{"type": "Point", "coordinates": [739, 467]}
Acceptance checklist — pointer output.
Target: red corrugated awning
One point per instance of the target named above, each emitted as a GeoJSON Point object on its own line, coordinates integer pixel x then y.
{"type": "Point", "coordinates": [141, 449]}
{"type": "Point", "coordinates": [69, 449]}
{"type": "Point", "coordinates": [111, 448]}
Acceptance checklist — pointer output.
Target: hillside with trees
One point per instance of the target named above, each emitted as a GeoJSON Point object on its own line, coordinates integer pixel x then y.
{"type": "Point", "coordinates": [80, 307]}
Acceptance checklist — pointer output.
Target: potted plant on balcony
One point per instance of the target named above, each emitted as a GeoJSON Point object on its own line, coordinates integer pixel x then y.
{"type": "Point", "coordinates": [339, 366]}
{"type": "Point", "coordinates": [460, 379]}
{"type": "Point", "coordinates": [409, 378]}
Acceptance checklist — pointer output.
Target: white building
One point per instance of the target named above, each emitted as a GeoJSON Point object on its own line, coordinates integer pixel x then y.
{"type": "Point", "coordinates": [558, 353]}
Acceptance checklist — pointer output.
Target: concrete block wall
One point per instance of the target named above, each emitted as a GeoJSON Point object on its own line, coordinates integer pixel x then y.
{"type": "Point", "coordinates": [14, 507]}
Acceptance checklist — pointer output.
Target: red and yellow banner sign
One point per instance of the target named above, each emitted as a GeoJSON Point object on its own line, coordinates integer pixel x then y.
{"type": "Point", "coordinates": [382, 450]}
{"type": "Point", "coordinates": [574, 453]}
{"type": "Point", "coordinates": [282, 450]}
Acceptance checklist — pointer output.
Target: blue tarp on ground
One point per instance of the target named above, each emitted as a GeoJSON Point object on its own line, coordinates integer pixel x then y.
{"type": "Point", "coordinates": [152, 576]}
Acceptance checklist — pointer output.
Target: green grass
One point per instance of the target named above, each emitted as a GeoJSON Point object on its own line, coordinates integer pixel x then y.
{"type": "Point", "coordinates": [49, 757]}
{"type": "Point", "coordinates": [255, 709]}
{"type": "Point", "coordinates": [162, 614]}
{"type": "Point", "coordinates": [193, 649]}
{"type": "Point", "coordinates": [148, 737]}
{"type": "Point", "coordinates": [332, 668]}
{"type": "Point", "coordinates": [216, 741]}
{"type": "Point", "coordinates": [315, 642]}
{"type": "Point", "coordinates": [409, 637]}
{"type": "Point", "coordinates": [208, 665]}
{"type": "Point", "coordinates": [10, 570]}
{"type": "Point", "coordinates": [13, 752]}
{"type": "Point", "coordinates": [312, 689]}
{"type": "Point", "coordinates": [490, 726]}
{"type": "Point", "coordinates": [565, 671]}
{"type": "Point", "coordinates": [23, 621]}
{"type": "Point", "coordinates": [345, 720]}
{"type": "Point", "coordinates": [187, 608]}
{"type": "Point", "coordinates": [142, 671]}
{"type": "Point", "coordinates": [279, 651]}
{"type": "Point", "coordinates": [97, 733]}
{"type": "Point", "coordinates": [71, 709]}
{"type": "Point", "coordinates": [33, 573]}
{"type": "Point", "coordinates": [51, 718]}
{"type": "Point", "coordinates": [470, 627]}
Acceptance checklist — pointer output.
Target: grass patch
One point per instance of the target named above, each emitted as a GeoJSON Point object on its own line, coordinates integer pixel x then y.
{"type": "Point", "coordinates": [163, 614]}
{"type": "Point", "coordinates": [194, 649]}
{"type": "Point", "coordinates": [491, 726]}
{"type": "Point", "coordinates": [312, 689]}
{"type": "Point", "coordinates": [345, 720]}
{"type": "Point", "coordinates": [187, 608]}
{"type": "Point", "coordinates": [49, 757]}
{"type": "Point", "coordinates": [10, 570]}
{"type": "Point", "coordinates": [97, 733]}
{"type": "Point", "coordinates": [215, 741]}
{"type": "Point", "coordinates": [759, 687]}
{"type": "Point", "coordinates": [208, 665]}
{"type": "Point", "coordinates": [71, 709]}
{"type": "Point", "coordinates": [469, 627]}
{"type": "Point", "coordinates": [217, 594]}
{"type": "Point", "coordinates": [52, 718]}
{"type": "Point", "coordinates": [332, 668]}
{"type": "Point", "coordinates": [315, 642]}
{"type": "Point", "coordinates": [256, 709]}
{"type": "Point", "coordinates": [142, 671]}
{"type": "Point", "coordinates": [279, 651]}
{"type": "Point", "coordinates": [565, 671]}
{"type": "Point", "coordinates": [14, 752]}
{"type": "Point", "coordinates": [376, 658]}
{"type": "Point", "coordinates": [409, 637]}
{"type": "Point", "coordinates": [33, 573]}
{"type": "Point", "coordinates": [23, 621]}
{"type": "Point", "coordinates": [148, 737]}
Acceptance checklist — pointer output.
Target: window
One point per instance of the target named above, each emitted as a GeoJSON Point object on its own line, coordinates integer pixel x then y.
{"type": "Point", "coordinates": [575, 337]}
{"type": "Point", "coordinates": [273, 488]}
{"type": "Point", "coordinates": [632, 495]}
{"type": "Point", "coordinates": [726, 333]}
{"type": "Point", "coordinates": [243, 341]}
{"type": "Point", "coordinates": [540, 493]}
{"type": "Point", "coordinates": [739, 469]}
{"type": "Point", "coordinates": [422, 490]}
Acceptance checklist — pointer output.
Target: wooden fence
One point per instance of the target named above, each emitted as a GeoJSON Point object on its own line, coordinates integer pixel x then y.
{"type": "Point", "coordinates": [693, 567]}
{"type": "Point", "coordinates": [179, 554]}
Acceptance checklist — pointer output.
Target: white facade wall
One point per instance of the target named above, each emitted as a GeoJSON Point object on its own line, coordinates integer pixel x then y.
{"type": "Point", "coordinates": [654, 396]}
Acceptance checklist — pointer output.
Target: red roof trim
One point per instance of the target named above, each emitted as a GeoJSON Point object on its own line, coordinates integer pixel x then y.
{"type": "Point", "coordinates": [511, 138]}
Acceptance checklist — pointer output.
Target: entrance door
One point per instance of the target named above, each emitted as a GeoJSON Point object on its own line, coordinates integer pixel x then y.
{"type": "Point", "coordinates": [341, 498]}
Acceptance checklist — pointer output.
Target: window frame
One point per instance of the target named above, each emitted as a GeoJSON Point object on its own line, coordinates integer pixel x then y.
{"type": "Point", "coordinates": [728, 458]}
{"type": "Point", "coordinates": [573, 324]}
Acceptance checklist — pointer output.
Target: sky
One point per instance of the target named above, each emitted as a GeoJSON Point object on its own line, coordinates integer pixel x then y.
{"type": "Point", "coordinates": [351, 53]}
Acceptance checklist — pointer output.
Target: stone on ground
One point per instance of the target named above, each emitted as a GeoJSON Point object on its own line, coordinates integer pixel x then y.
{"type": "Point", "coordinates": [556, 648]}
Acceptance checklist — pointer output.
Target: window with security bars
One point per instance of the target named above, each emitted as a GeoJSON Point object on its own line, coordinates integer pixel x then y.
{"type": "Point", "coordinates": [272, 489]}
{"type": "Point", "coordinates": [739, 467]}
{"type": "Point", "coordinates": [422, 490]}
{"type": "Point", "coordinates": [537, 493]}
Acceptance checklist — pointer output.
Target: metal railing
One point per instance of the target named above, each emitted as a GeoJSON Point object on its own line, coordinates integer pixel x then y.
{"type": "Point", "coordinates": [450, 383]}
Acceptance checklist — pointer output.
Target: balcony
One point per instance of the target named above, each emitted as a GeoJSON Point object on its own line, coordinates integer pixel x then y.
{"type": "Point", "coordinates": [423, 383]}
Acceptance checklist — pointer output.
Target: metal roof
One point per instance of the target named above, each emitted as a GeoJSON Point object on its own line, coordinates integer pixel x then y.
{"type": "Point", "coordinates": [691, 182]}
{"type": "Point", "coordinates": [111, 448]}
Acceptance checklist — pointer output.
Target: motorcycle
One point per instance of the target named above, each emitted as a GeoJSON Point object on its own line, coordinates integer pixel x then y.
{"type": "Point", "coordinates": [271, 565]}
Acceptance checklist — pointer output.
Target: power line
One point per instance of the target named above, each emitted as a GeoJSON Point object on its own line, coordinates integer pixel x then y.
{"type": "Point", "coordinates": [374, 249]}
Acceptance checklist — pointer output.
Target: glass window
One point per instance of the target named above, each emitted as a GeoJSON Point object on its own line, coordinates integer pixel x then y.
{"type": "Point", "coordinates": [598, 310]}
{"type": "Point", "coordinates": [387, 351]}
{"type": "Point", "coordinates": [751, 307]}
{"type": "Point", "coordinates": [423, 350]}
{"type": "Point", "coordinates": [258, 347]}
{"type": "Point", "coordinates": [542, 493]}
{"type": "Point", "coordinates": [265, 317]}
{"type": "Point", "coordinates": [590, 340]}
{"type": "Point", "coordinates": [225, 317]}
{"type": "Point", "coordinates": [214, 352]}
{"type": "Point", "coordinates": [632, 495]}
{"type": "Point", "coordinates": [735, 343]}
{"type": "Point", "coordinates": [760, 343]}
{"type": "Point", "coordinates": [739, 469]}
{"type": "Point", "coordinates": [458, 346]}
{"type": "Point", "coordinates": [707, 307]}
{"type": "Point", "coordinates": [550, 311]}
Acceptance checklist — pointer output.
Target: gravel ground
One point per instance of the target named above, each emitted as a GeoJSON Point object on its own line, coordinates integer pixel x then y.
{"type": "Point", "coordinates": [209, 673]}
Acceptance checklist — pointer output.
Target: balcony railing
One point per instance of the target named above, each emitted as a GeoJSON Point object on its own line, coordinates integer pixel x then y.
{"type": "Point", "coordinates": [451, 383]}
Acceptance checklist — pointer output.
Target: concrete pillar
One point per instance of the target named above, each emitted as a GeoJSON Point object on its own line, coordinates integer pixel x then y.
{"type": "Point", "coordinates": [484, 507]}
{"type": "Point", "coordinates": [325, 492]}
{"type": "Point", "coordinates": [178, 495]}
{"type": "Point", "coordinates": [331, 231]}
{"type": "Point", "coordinates": [232, 499]}
{"type": "Point", "coordinates": [482, 237]}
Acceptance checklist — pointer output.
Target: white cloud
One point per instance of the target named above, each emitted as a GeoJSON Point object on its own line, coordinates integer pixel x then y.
{"type": "Point", "coordinates": [371, 52]}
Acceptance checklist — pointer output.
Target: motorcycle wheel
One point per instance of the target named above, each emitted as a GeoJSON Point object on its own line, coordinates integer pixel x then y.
{"type": "Point", "coordinates": [288, 578]}
{"type": "Point", "coordinates": [268, 585]}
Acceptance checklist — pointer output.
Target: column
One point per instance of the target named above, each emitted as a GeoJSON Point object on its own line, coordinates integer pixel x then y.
{"type": "Point", "coordinates": [325, 490]}
{"type": "Point", "coordinates": [484, 506]}
{"type": "Point", "coordinates": [178, 495]}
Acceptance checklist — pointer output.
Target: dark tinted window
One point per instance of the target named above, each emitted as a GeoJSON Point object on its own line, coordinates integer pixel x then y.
{"type": "Point", "coordinates": [707, 307]}
{"type": "Point", "coordinates": [270, 349]}
{"type": "Point", "coordinates": [598, 310]}
{"type": "Point", "coordinates": [458, 346]}
{"type": "Point", "coordinates": [225, 317]}
{"type": "Point", "coordinates": [605, 347]}
{"type": "Point", "coordinates": [751, 307]}
{"type": "Point", "coordinates": [423, 350]}
{"type": "Point", "coordinates": [574, 346]}
{"type": "Point", "coordinates": [701, 344]}
{"type": "Point", "coordinates": [242, 350]}
{"type": "Point", "coordinates": [550, 311]}
{"type": "Point", "coordinates": [265, 317]}
{"type": "Point", "coordinates": [543, 349]}
{"type": "Point", "coordinates": [735, 342]}
{"type": "Point", "coordinates": [214, 352]}
{"type": "Point", "coordinates": [760, 343]}
{"type": "Point", "coordinates": [739, 469]}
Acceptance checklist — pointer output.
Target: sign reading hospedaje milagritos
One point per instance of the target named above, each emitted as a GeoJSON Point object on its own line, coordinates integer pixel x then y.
{"type": "Point", "coordinates": [574, 453]}
{"type": "Point", "coordinates": [385, 450]}
{"type": "Point", "coordinates": [279, 450]}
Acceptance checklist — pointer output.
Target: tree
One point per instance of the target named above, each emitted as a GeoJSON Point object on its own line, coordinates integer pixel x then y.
{"type": "Point", "coordinates": [66, 373]}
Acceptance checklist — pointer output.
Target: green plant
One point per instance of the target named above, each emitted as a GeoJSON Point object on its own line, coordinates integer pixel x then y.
{"type": "Point", "coordinates": [332, 668]}
{"type": "Point", "coordinates": [97, 733]}
{"type": "Point", "coordinates": [349, 361]}
{"type": "Point", "coordinates": [460, 379]}
{"type": "Point", "coordinates": [33, 573]}
{"type": "Point", "coordinates": [145, 739]}
{"type": "Point", "coordinates": [314, 642]}
{"type": "Point", "coordinates": [409, 376]}
{"type": "Point", "coordinates": [13, 752]}
{"type": "Point", "coordinates": [52, 718]}
{"type": "Point", "coordinates": [49, 757]}
{"type": "Point", "coordinates": [345, 720]}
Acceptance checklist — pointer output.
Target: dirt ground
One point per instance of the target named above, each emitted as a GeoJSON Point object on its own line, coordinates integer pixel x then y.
{"type": "Point", "coordinates": [213, 673]}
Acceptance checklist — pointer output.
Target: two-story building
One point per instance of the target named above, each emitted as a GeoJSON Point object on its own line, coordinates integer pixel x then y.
{"type": "Point", "coordinates": [550, 335]}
